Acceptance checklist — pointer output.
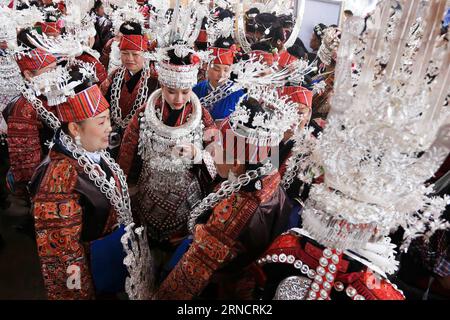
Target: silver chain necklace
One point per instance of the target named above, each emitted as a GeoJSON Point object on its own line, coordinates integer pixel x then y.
{"type": "Point", "coordinates": [291, 171]}
{"type": "Point", "coordinates": [221, 92]}
{"type": "Point", "coordinates": [141, 98]}
{"type": "Point", "coordinates": [48, 117]}
{"type": "Point", "coordinates": [227, 188]}
{"type": "Point", "coordinates": [120, 200]}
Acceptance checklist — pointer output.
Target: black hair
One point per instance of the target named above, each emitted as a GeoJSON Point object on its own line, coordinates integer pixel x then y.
{"type": "Point", "coordinates": [22, 39]}
{"type": "Point", "coordinates": [202, 46]}
{"type": "Point", "coordinates": [131, 28]}
{"type": "Point", "coordinates": [250, 26]}
{"type": "Point", "coordinates": [169, 14]}
{"type": "Point", "coordinates": [224, 13]}
{"type": "Point", "coordinates": [444, 30]}
{"type": "Point", "coordinates": [252, 11]}
{"type": "Point", "coordinates": [262, 46]}
{"type": "Point", "coordinates": [250, 23]}
{"type": "Point", "coordinates": [348, 12]}
{"type": "Point", "coordinates": [65, 127]}
{"type": "Point", "coordinates": [286, 20]}
{"type": "Point", "coordinates": [268, 21]}
{"type": "Point", "coordinates": [76, 75]}
{"type": "Point", "coordinates": [204, 23]}
{"type": "Point", "coordinates": [318, 31]}
{"type": "Point", "coordinates": [298, 49]}
{"type": "Point", "coordinates": [225, 43]}
{"type": "Point", "coordinates": [254, 107]}
{"type": "Point", "coordinates": [24, 5]}
{"type": "Point", "coordinates": [51, 18]}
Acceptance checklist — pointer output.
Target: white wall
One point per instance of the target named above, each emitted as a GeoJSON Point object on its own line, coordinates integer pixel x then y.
{"type": "Point", "coordinates": [319, 11]}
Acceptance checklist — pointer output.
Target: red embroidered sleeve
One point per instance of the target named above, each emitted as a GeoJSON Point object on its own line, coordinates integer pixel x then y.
{"type": "Point", "coordinates": [58, 223]}
{"type": "Point", "coordinates": [129, 144]}
{"type": "Point", "coordinates": [23, 141]}
{"type": "Point", "coordinates": [372, 287]}
{"type": "Point", "coordinates": [212, 248]}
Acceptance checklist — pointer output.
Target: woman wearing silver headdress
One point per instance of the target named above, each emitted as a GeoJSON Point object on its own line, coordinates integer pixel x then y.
{"type": "Point", "coordinates": [26, 132]}
{"type": "Point", "coordinates": [129, 87]}
{"type": "Point", "coordinates": [171, 123]}
{"type": "Point", "coordinates": [79, 196]}
{"type": "Point", "coordinates": [248, 211]}
{"type": "Point", "coordinates": [374, 171]}
{"type": "Point", "coordinates": [10, 80]}
{"type": "Point", "coordinates": [323, 82]}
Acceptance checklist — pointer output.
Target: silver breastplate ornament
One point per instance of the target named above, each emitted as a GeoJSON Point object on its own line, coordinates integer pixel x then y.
{"type": "Point", "coordinates": [167, 189]}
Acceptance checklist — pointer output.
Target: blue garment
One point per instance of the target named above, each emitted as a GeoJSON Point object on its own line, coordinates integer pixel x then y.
{"type": "Point", "coordinates": [223, 108]}
{"type": "Point", "coordinates": [295, 217]}
{"type": "Point", "coordinates": [106, 254]}
{"type": "Point", "coordinates": [447, 18]}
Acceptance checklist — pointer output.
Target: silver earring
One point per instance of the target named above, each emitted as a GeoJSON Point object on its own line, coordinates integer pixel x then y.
{"type": "Point", "coordinates": [78, 141]}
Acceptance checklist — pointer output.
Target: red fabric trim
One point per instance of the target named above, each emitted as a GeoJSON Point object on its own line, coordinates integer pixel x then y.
{"type": "Point", "coordinates": [298, 94]}
{"type": "Point", "coordinates": [223, 56]}
{"type": "Point", "coordinates": [34, 60]}
{"type": "Point", "coordinates": [202, 37]}
{"type": "Point", "coordinates": [100, 70]}
{"type": "Point", "coordinates": [49, 27]}
{"type": "Point", "coordinates": [24, 144]}
{"type": "Point", "coordinates": [267, 58]}
{"type": "Point", "coordinates": [84, 105]}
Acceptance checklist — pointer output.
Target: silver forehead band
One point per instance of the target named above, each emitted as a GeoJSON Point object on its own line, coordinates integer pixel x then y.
{"type": "Point", "coordinates": [177, 76]}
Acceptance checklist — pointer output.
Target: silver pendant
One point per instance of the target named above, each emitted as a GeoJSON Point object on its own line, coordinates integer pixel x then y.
{"type": "Point", "coordinates": [293, 288]}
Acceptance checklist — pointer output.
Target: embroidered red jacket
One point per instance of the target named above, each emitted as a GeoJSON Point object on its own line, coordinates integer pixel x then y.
{"type": "Point", "coordinates": [223, 250]}
{"type": "Point", "coordinates": [129, 90]}
{"type": "Point", "coordinates": [58, 215]}
{"type": "Point", "coordinates": [130, 140]}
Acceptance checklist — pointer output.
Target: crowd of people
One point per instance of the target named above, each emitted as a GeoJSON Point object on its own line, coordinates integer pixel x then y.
{"type": "Point", "coordinates": [203, 151]}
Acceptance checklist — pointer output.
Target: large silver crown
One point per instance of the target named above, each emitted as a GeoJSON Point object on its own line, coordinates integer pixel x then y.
{"type": "Point", "coordinates": [8, 26]}
{"type": "Point", "coordinates": [388, 129]}
{"type": "Point", "coordinates": [56, 84]}
{"type": "Point", "coordinates": [128, 11]}
{"type": "Point", "coordinates": [183, 25]}
{"type": "Point", "coordinates": [78, 21]}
